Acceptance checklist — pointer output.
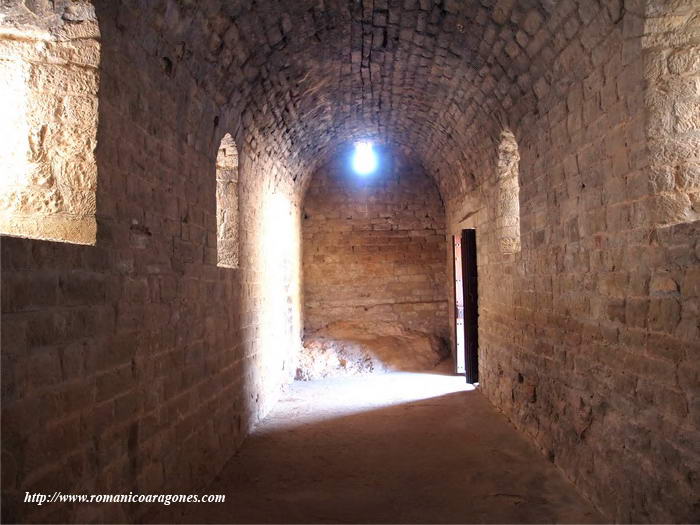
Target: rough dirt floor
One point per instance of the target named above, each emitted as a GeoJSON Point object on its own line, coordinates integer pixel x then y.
{"type": "Point", "coordinates": [395, 448]}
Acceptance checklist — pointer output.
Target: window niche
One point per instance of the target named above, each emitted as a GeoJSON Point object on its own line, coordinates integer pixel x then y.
{"type": "Point", "coordinates": [508, 218]}
{"type": "Point", "coordinates": [227, 203]}
{"type": "Point", "coordinates": [48, 131]}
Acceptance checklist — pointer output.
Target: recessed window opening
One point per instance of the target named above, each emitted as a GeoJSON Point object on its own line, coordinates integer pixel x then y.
{"type": "Point", "coordinates": [508, 209]}
{"type": "Point", "coordinates": [48, 135]}
{"type": "Point", "coordinates": [227, 203]}
{"type": "Point", "coordinates": [364, 159]}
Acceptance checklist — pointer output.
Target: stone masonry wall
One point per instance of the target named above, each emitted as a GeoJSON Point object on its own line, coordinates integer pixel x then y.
{"type": "Point", "coordinates": [671, 46]}
{"type": "Point", "coordinates": [227, 203]}
{"type": "Point", "coordinates": [589, 337]}
{"type": "Point", "coordinates": [48, 123]}
{"type": "Point", "coordinates": [373, 247]}
{"type": "Point", "coordinates": [137, 364]}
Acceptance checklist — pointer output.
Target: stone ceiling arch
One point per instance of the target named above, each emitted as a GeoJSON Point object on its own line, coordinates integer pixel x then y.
{"type": "Point", "coordinates": [302, 78]}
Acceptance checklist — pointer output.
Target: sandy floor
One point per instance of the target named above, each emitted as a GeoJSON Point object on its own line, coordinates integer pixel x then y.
{"type": "Point", "coordinates": [400, 448]}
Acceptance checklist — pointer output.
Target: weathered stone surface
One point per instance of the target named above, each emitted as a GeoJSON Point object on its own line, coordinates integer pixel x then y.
{"type": "Point", "coordinates": [227, 212]}
{"type": "Point", "coordinates": [508, 211]}
{"type": "Point", "coordinates": [357, 348]}
{"type": "Point", "coordinates": [48, 82]}
{"type": "Point", "coordinates": [374, 247]}
{"type": "Point", "coordinates": [137, 363]}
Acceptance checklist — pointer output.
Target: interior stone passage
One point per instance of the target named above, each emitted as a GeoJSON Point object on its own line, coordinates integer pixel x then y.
{"type": "Point", "coordinates": [374, 269]}
{"type": "Point", "coordinates": [374, 249]}
{"type": "Point", "coordinates": [157, 301]}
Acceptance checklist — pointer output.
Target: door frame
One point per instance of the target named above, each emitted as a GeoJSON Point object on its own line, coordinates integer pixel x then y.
{"type": "Point", "coordinates": [471, 305]}
{"type": "Point", "coordinates": [457, 290]}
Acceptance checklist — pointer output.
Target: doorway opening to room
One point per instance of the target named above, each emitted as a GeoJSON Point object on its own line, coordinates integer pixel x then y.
{"type": "Point", "coordinates": [466, 305]}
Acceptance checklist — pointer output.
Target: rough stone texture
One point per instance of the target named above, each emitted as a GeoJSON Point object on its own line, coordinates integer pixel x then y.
{"type": "Point", "coordinates": [227, 203]}
{"type": "Point", "coordinates": [589, 336]}
{"type": "Point", "coordinates": [138, 364]}
{"type": "Point", "coordinates": [357, 348]}
{"type": "Point", "coordinates": [48, 122]}
{"type": "Point", "coordinates": [508, 210]}
{"type": "Point", "coordinates": [672, 69]}
{"type": "Point", "coordinates": [373, 248]}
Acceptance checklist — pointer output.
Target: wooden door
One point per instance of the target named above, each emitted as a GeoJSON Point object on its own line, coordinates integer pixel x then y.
{"type": "Point", "coordinates": [459, 304]}
{"type": "Point", "coordinates": [471, 306]}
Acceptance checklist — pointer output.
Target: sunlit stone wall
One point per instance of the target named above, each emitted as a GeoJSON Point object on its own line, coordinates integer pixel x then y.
{"type": "Point", "coordinates": [48, 125]}
{"type": "Point", "coordinates": [373, 247]}
{"type": "Point", "coordinates": [227, 212]}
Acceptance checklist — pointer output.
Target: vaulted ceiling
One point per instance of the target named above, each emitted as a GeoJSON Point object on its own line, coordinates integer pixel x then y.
{"type": "Point", "coordinates": [424, 74]}
{"type": "Point", "coordinates": [304, 77]}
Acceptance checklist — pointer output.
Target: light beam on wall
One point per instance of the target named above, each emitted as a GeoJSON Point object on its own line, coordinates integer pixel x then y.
{"type": "Point", "coordinates": [364, 159]}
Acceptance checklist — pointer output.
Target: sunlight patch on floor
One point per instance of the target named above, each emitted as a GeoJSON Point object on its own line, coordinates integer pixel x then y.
{"type": "Point", "coordinates": [310, 401]}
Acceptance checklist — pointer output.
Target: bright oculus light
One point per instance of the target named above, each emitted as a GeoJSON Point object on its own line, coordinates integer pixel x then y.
{"type": "Point", "coordinates": [364, 160]}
